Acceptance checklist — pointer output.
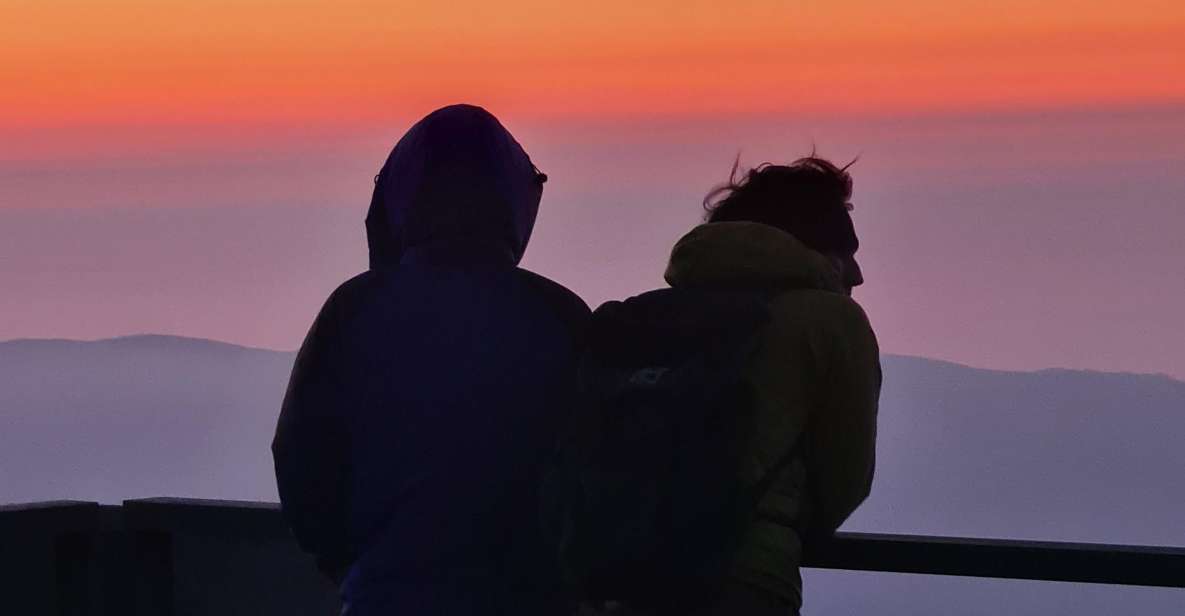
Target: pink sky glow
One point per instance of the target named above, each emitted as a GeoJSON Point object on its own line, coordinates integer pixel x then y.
{"type": "Point", "coordinates": [1017, 240]}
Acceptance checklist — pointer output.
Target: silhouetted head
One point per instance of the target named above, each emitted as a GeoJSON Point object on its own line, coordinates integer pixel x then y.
{"type": "Point", "coordinates": [808, 199]}
{"type": "Point", "coordinates": [456, 189]}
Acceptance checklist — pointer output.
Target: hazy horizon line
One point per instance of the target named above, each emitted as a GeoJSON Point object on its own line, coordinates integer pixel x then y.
{"type": "Point", "coordinates": [247, 347]}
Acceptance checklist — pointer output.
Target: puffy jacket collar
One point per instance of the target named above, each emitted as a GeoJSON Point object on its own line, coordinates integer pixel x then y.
{"type": "Point", "coordinates": [748, 253]}
{"type": "Point", "coordinates": [456, 189]}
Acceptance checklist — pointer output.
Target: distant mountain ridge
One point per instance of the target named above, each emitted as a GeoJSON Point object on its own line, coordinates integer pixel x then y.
{"type": "Point", "coordinates": [88, 414]}
{"type": "Point", "coordinates": [165, 340]}
{"type": "Point", "coordinates": [136, 416]}
{"type": "Point", "coordinates": [1054, 454]}
{"type": "Point", "coordinates": [140, 340]}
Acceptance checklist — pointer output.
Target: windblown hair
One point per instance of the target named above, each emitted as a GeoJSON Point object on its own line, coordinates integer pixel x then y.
{"type": "Point", "coordinates": [809, 199]}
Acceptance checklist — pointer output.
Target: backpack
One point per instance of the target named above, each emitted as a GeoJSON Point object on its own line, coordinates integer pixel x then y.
{"type": "Point", "coordinates": [643, 501]}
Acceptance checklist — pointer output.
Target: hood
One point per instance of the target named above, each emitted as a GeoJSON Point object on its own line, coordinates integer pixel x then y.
{"type": "Point", "coordinates": [456, 189]}
{"type": "Point", "coordinates": [748, 254]}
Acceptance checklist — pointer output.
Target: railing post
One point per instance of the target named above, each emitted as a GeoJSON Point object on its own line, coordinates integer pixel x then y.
{"type": "Point", "coordinates": [152, 572]}
{"type": "Point", "coordinates": [73, 568]}
{"type": "Point", "coordinates": [44, 557]}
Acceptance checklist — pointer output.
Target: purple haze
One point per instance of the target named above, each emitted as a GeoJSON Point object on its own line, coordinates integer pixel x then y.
{"type": "Point", "coordinates": [1014, 241]}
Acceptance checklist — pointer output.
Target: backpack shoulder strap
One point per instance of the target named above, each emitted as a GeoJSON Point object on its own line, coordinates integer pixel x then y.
{"type": "Point", "coordinates": [767, 480]}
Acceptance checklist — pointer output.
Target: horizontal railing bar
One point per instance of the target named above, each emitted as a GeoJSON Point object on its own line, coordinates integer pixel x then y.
{"type": "Point", "coordinates": [1001, 558]}
{"type": "Point", "coordinates": [959, 556]}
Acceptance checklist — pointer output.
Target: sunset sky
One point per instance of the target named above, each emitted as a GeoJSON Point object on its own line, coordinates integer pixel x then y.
{"type": "Point", "coordinates": [249, 61]}
{"type": "Point", "coordinates": [202, 168]}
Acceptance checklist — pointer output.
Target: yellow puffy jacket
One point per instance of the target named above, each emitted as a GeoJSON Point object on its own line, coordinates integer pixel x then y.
{"type": "Point", "coordinates": [817, 377]}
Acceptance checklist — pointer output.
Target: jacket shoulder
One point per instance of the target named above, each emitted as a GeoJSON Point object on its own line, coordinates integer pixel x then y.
{"type": "Point", "coordinates": [357, 285]}
{"type": "Point", "coordinates": [572, 310]}
{"type": "Point", "coordinates": [820, 310]}
{"type": "Point", "coordinates": [829, 327]}
{"type": "Point", "coordinates": [355, 292]}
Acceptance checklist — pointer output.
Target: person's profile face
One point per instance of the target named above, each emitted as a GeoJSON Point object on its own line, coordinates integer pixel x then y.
{"type": "Point", "coordinates": [850, 275]}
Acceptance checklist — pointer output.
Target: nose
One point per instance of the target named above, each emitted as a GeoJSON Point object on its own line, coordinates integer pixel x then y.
{"type": "Point", "coordinates": [852, 272]}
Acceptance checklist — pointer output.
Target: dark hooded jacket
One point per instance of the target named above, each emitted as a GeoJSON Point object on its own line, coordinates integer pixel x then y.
{"type": "Point", "coordinates": [428, 392]}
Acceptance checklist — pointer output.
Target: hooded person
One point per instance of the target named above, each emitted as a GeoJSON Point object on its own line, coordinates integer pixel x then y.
{"type": "Point", "coordinates": [429, 390]}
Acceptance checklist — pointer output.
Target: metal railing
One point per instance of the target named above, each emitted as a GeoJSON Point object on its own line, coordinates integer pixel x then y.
{"type": "Point", "coordinates": [1002, 558]}
{"type": "Point", "coordinates": [174, 555]}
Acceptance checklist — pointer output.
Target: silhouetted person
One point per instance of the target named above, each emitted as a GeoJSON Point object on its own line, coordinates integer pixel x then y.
{"type": "Point", "coordinates": [727, 419]}
{"type": "Point", "coordinates": [817, 372]}
{"type": "Point", "coordinates": [428, 391]}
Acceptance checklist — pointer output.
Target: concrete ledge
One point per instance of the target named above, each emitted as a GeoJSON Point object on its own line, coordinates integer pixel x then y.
{"type": "Point", "coordinates": [248, 521]}
{"type": "Point", "coordinates": [48, 517]}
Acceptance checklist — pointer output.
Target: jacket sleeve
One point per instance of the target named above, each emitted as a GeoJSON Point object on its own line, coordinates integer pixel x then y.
{"type": "Point", "coordinates": [310, 449]}
{"type": "Point", "coordinates": [841, 445]}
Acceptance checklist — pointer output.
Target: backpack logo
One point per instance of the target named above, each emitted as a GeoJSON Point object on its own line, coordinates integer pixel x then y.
{"type": "Point", "coordinates": [648, 377]}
